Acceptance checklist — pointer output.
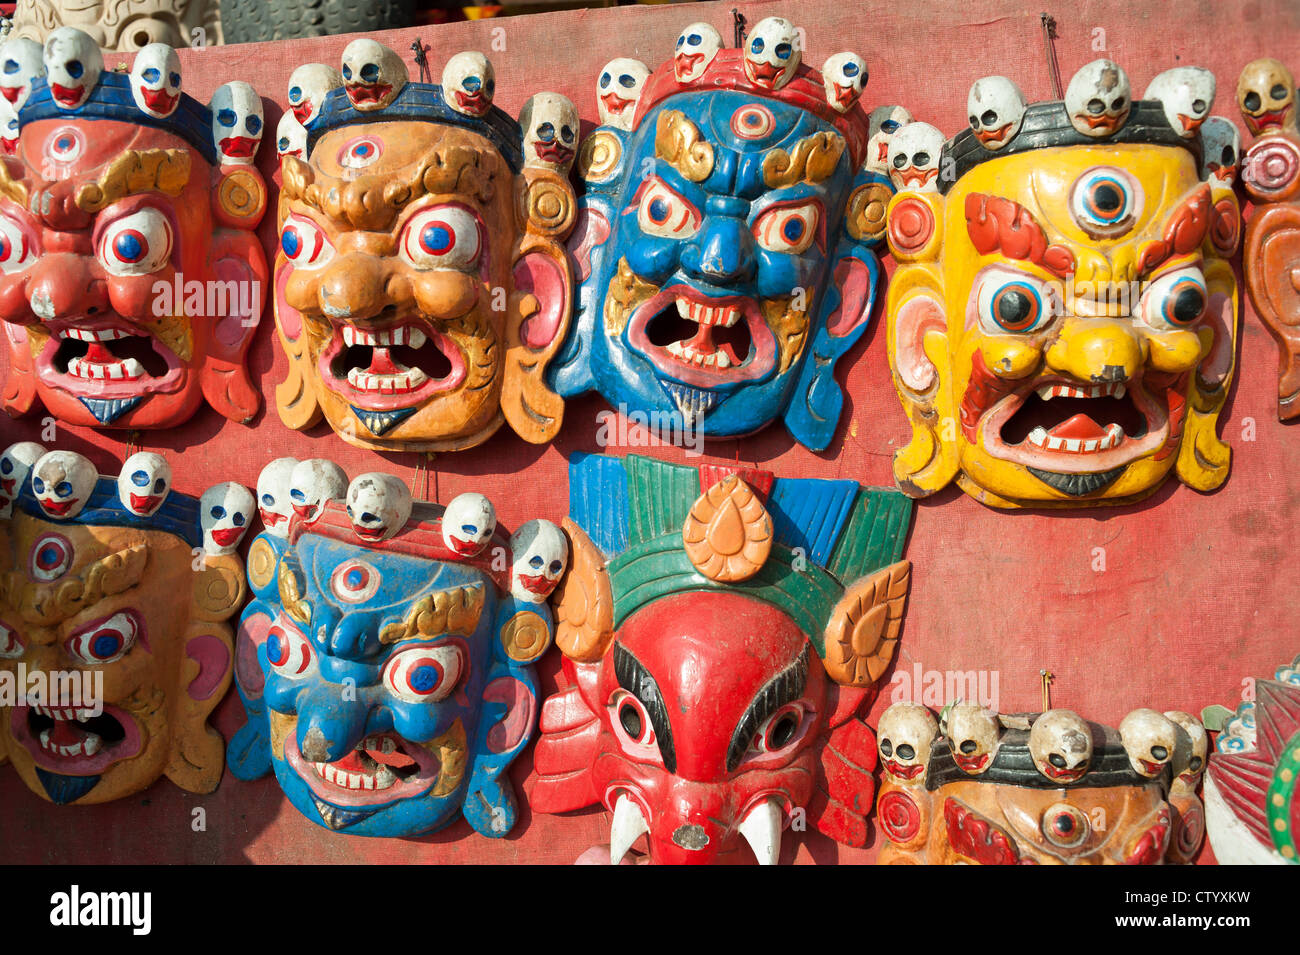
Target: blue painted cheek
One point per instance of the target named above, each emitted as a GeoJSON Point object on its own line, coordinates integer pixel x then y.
{"type": "Point", "coordinates": [652, 258]}
{"type": "Point", "coordinates": [422, 722]}
{"type": "Point", "coordinates": [281, 694]}
{"type": "Point", "coordinates": [779, 273]}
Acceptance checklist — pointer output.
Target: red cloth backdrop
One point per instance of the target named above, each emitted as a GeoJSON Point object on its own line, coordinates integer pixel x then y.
{"type": "Point", "coordinates": [1195, 596]}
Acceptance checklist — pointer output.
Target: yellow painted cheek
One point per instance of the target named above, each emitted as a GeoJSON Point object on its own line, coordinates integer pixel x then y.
{"type": "Point", "coordinates": [1177, 351]}
{"type": "Point", "coordinates": [1010, 357]}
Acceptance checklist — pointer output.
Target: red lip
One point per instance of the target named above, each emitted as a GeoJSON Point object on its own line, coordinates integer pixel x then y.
{"type": "Point", "coordinates": [764, 73]}
{"type": "Point", "coordinates": [987, 136]}
{"type": "Point", "coordinates": [972, 764]}
{"type": "Point", "coordinates": [1150, 767]}
{"type": "Point", "coordinates": [68, 96]}
{"type": "Point", "coordinates": [918, 176]}
{"type": "Point", "coordinates": [145, 502]}
{"type": "Point", "coordinates": [1098, 122]}
{"type": "Point", "coordinates": [11, 93]}
{"type": "Point", "coordinates": [686, 61]}
{"type": "Point", "coordinates": [58, 508]}
{"type": "Point", "coordinates": [160, 101]}
{"type": "Point", "coordinates": [271, 518]}
{"type": "Point", "coordinates": [474, 102]}
{"type": "Point", "coordinates": [553, 152]}
{"type": "Point", "coordinates": [240, 146]}
{"type": "Point", "coordinates": [463, 547]}
{"type": "Point", "coordinates": [1069, 775]}
{"type": "Point", "coordinates": [843, 94]}
{"type": "Point", "coordinates": [302, 111]}
{"type": "Point", "coordinates": [1272, 117]}
{"type": "Point", "coordinates": [369, 535]}
{"type": "Point", "coordinates": [615, 103]}
{"type": "Point", "coordinates": [7, 485]}
{"type": "Point", "coordinates": [537, 584]}
{"type": "Point", "coordinates": [226, 536]}
{"type": "Point", "coordinates": [904, 772]}
{"type": "Point", "coordinates": [367, 93]}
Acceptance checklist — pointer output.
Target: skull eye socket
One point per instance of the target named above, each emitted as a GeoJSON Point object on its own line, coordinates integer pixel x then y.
{"type": "Point", "coordinates": [968, 746]}
{"type": "Point", "coordinates": [1117, 104]}
{"type": "Point", "coordinates": [1198, 106]}
{"type": "Point", "coordinates": [1160, 753]}
{"type": "Point", "coordinates": [921, 159]}
{"type": "Point", "coordinates": [1278, 92]}
{"type": "Point", "coordinates": [889, 126]}
{"type": "Point", "coordinates": [627, 81]}
{"type": "Point", "coordinates": [1195, 763]}
{"type": "Point", "coordinates": [1251, 101]}
{"type": "Point", "coordinates": [1096, 107]}
{"type": "Point", "coordinates": [1057, 760]}
{"type": "Point", "coordinates": [974, 121]}
{"type": "Point", "coordinates": [887, 747]}
{"type": "Point", "coordinates": [900, 160]}
{"type": "Point", "coordinates": [906, 751]}
{"type": "Point", "coordinates": [989, 118]}
{"type": "Point", "coordinates": [605, 79]}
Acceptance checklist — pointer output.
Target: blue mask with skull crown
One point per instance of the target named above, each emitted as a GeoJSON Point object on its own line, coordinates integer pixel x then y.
{"type": "Point", "coordinates": [724, 242]}
{"type": "Point", "coordinates": [385, 660]}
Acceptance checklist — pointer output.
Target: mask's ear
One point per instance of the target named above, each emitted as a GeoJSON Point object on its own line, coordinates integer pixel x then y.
{"type": "Point", "coordinates": [862, 633]}
{"type": "Point", "coordinates": [542, 305]}
{"type": "Point", "coordinates": [1204, 459]}
{"type": "Point", "coordinates": [1273, 281]}
{"type": "Point", "coordinates": [842, 314]}
{"type": "Point", "coordinates": [197, 749]}
{"type": "Point", "coordinates": [20, 386]}
{"type": "Point", "coordinates": [238, 263]}
{"type": "Point", "coordinates": [919, 356]}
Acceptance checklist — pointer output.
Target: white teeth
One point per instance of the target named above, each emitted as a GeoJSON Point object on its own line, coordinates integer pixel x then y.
{"type": "Point", "coordinates": [1040, 438]}
{"type": "Point", "coordinates": [1060, 390]}
{"type": "Point", "coordinates": [629, 825]}
{"type": "Point", "coordinates": [88, 746]}
{"type": "Point", "coordinates": [381, 778]}
{"type": "Point", "coordinates": [761, 828]}
{"type": "Point", "coordinates": [45, 739]}
{"type": "Point", "coordinates": [92, 744]}
{"type": "Point", "coordinates": [402, 335]}
{"type": "Point", "coordinates": [349, 336]}
{"type": "Point", "coordinates": [395, 384]}
{"type": "Point", "coordinates": [415, 338]}
{"type": "Point", "coordinates": [117, 370]}
{"type": "Point", "coordinates": [683, 308]}
{"type": "Point", "coordinates": [93, 335]}
{"type": "Point", "coordinates": [676, 348]}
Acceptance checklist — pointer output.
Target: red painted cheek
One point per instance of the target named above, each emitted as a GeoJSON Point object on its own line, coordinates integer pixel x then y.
{"type": "Point", "coordinates": [133, 296]}
{"type": "Point", "coordinates": [14, 304]}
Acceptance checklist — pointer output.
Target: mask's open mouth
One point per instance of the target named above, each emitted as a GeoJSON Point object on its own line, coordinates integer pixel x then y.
{"type": "Point", "coordinates": [1072, 419]}
{"type": "Point", "coordinates": [73, 741]}
{"type": "Point", "coordinates": [703, 342]}
{"type": "Point", "coordinates": [382, 769]}
{"type": "Point", "coordinates": [397, 367]}
{"type": "Point", "coordinates": [107, 363]}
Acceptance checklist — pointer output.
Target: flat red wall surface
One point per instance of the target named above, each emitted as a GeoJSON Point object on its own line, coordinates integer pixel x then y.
{"type": "Point", "coordinates": [1197, 591]}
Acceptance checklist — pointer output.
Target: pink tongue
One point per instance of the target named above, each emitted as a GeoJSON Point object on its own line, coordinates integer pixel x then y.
{"type": "Point", "coordinates": [1080, 426]}
{"type": "Point", "coordinates": [381, 363]}
{"type": "Point", "coordinates": [65, 734]}
{"type": "Point", "coordinates": [99, 354]}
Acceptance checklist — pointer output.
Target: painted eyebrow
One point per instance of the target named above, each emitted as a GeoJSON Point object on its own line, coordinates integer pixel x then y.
{"type": "Point", "coordinates": [636, 679]}
{"type": "Point", "coordinates": [785, 687]}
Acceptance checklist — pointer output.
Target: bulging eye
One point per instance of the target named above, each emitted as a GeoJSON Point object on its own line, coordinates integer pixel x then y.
{"type": "Point", "coordinates": [287, 651]}
{"type": "Point", "coordinates": [788, 228]}
{"type": "Point", "coordinates": [16, 251]}
{"type": "Point", "coordinates": [360, 153]}
{"type": "Point", "coordinates": [10, 646]}
{"type": "Point", "coordinates": [1104, 202]}
{"type": "Point", "coordinates": [1065, 825]}
{"type": "Point", "coordinates": [779, 731]}
{"type": "Point", "coordinates": [355, 581]}
{"type": "Point", "coordinates": [51, 558]}
{"type": "Point", "coordinates": [631, 721]}
{"type": "Point", "coordinates": [105, 641]}
{"type": "Point", "coordinates": [1176, 300]}
{"type": "Point", "coordinates": [444, 237]}
{"type": "Point", "coordinates": [424, 674]}
{"type": "Point", "coordinates": [304, 244]}
{"type": "Point", "coordinates": [137, 244]}
{"type": "Point", "coordinates": [1014, 302]}
{"type": "Point", "coordinates": [663, 212]}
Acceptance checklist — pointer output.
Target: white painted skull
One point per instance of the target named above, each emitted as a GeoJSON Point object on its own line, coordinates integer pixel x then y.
{"type": "Point", "coordinates": [618, 89]}
{"type": "Point", "coordinates": [1220, 150]}
{"type": "Point", "coordinates": [309, 84]}
{"type": "Point", "coordinates": [144, 483]}
{"type": "Point", "coordinates": [379, 505]}
{"type": "Point", "coordinates": [156, 80]}
{"type": "Point", "coordinates": [373, 74]}
{"type": "Point", "coordinates": [469, 83]}
{"type": "Point", "coordinates": [312, 483]}
{"type": "Point", "coordinates": [906, 733]}
{"type": "Point", "coordinates": [882, 124]}
{"type": "Point", "coordinates": [973, 735]}
{"type": "Point", "coordinates": [225, 511]}
{"type": "Point", "coordinates": [290, 137]}
{"type": "Point", "coordinates": [1150, 740]}
{"type": "Point", "coordinates": [1186, 93]}
{"type": "Point", "coordinates": [550, 125]}
{"type": "Point", "coordinates": [995, 108]}
{"type": "Point", "coordinates": [1098, 99]}
{"type": "Point", "coordinates": [62, 482]}
{"type": "Point", "coordinates": [236, 122]}
{"type": "Point", "coordinates": [273, 502]}
{"type": "Point", "coordinates": [914, 155]}
{"type": "Point", "coordinates": [15, 467]}
{"type": "Point", "coordinates": [772, 53]}
{"type": "Point", "coordinates": [468, 523]}
{"type": "Point", "coordinates": [21, 61]}
{"type": "Point", "coordinates": [1060, 743]}
{"type": "Point", "coordinates": [696, 47]}
{"type": "Point", "coordinates": [1189, 760]}
{"type": "Point", "coordinates": [845, 76]}
{"type": "Point", "coordinates": [73, 65]}
{"type": "Point", "coordinates": [541, 552]}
